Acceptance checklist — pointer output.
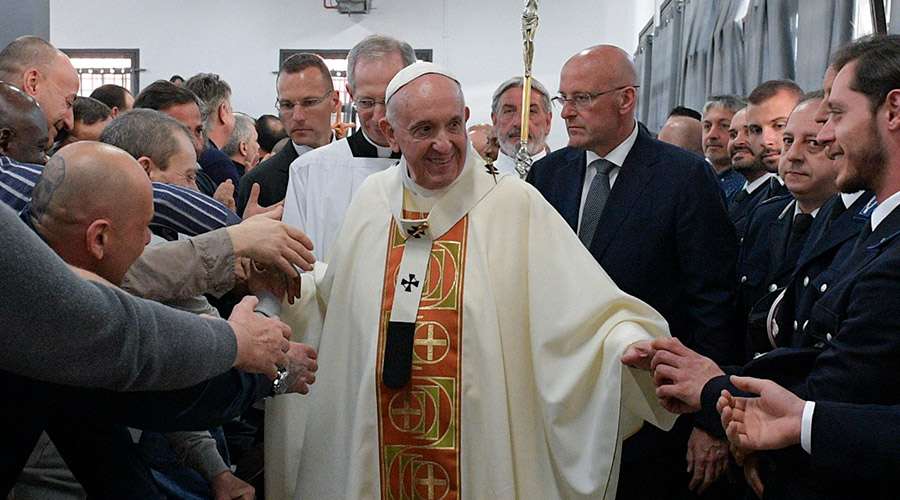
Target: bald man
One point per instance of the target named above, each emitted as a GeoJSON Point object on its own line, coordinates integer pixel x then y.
{"type": "Point", "coordinates": [23, 129]}
{"type": "Point", "coordinates": [104, 235]}
{"type": "Point", "coordinates": [684, 132]}
{"type": "Point", "coordinates": [653, 217]}
{"type": "Point", "coordinates": [45, 73]}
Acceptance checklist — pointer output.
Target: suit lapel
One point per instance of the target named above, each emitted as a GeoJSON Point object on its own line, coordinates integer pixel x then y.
{"type": "Point", "coordinates": [630, 183]}
{"type": "Point", "coordinates": [846, 226]}
{"type": "Point", "coordinates": [881, 238]}
{"type": "Point", "coordinates": [571, 178]}
{"type": "Point", "coordinates": [780, 234]}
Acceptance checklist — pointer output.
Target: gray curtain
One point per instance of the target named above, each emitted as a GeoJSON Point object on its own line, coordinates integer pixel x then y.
{"type": "Point", "coordinates": [727, 69]}
{"type": "Point", "coordinates": [824, 27]}
{"type": "Point", "coordinates": [699, 26]}
{"type": "Point", "coordinates": [768, 41]}
{"type": "Point", "coordinates": [664, 66]}
{"type": "Point", "coordinates": [642, 61]}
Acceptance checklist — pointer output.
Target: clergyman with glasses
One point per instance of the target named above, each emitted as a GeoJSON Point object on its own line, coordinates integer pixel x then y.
{"type": "Point", "coordinates": [305, 101]}
{"type": "Point", "coordinates": [653, 217]}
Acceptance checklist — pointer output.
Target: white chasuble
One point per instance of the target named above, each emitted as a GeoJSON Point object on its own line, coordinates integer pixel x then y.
{"type": "Point", "coordinates": [320, 187]}
{"type": "Point", "coordinates": [516, 387]}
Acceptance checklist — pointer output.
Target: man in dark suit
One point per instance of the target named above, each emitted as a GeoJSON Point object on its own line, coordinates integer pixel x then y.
{"type": "Point", "coordinates": [780, 227]}
{"type": "Point", "coordinates": [306, 99]}
{"type": "Point", "coordinates": [768, 107]}
{"type": "Point", "coordinates": [653, 217]}
{"type": "Point", "coordinates": [854, 358]}
{"type": "Point", "coordinates": [841, 438]}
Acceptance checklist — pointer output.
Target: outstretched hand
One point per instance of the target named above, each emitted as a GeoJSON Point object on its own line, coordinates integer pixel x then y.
{"type": "Point", "coordinates": [253, 207]}
{"type": "Point", "coordinates": [262, 343]}
{"type": "Point", "coordinates": [769, 422]}
{"type": "Point", "coordinates": [680, 374]}
{"type": "Point", "coordinates": [270, 242]}
{"type": "Point", "coordinates": [302, 367]}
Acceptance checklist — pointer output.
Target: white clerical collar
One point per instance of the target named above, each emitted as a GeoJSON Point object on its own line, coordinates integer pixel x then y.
{"type": "Point", "coordinates": [418, 190]}
{"type": "Point", "coordinates": [381, 151]}
{"type": "Point", "coordinates": [750, 187]}
{"type": "Point", "coordinates": [884, 209]}
{"type": "Point", "coordinates": [619, 153]}
{"type": "Point", "coordinates": [302, 149]}
{"type": "Point", "coordinates": [850, 198]}
{"type": "Point", "coordinates": [507, 164]}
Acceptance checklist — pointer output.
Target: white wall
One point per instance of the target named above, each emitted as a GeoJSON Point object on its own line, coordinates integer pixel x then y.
{"type": "Point", "coordinates": [479, 40]}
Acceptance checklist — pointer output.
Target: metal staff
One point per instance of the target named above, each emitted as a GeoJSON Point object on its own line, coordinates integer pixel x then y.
{"type": "Point", "coordinates": [529, 27]}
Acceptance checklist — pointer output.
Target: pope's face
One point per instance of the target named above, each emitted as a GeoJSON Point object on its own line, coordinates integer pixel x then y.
{"type": "Point", "coordinates": [428, 126]}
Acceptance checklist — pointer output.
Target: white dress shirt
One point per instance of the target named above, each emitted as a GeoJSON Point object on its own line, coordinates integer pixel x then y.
{"type": "Point", "coordinates": [884, 209]}
{"type": "Point", "coordinates": [616, 157]}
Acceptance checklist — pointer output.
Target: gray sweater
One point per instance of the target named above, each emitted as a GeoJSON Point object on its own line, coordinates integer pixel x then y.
{"type": "Point", "coordinates": [60, 328]}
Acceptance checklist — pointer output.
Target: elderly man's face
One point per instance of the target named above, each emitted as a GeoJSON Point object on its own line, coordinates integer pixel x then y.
{"type": "Point", "coordinates": [508, 122]}
{"type": "Point", "coordinates": [372, 76]}
{"type": "Point", "coordinates": [56, 94]}
{"type": "Point", "coordinates": [305, 105]}
{"type": "Point", "coordinates": [429, 128]}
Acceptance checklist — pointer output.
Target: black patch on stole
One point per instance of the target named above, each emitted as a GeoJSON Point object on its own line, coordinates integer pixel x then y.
{"type": "Point", "coordinates": [398, 350]}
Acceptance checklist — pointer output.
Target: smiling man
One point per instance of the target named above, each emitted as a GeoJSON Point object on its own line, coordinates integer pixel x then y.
{"type": "Point", "coordinates": [45, 73]}
{"type": "Point", "coordinates": [323, 182]}
{"type": "Point", "coordinates": [445, 369]}
{"type": "Point", "coordinates": [718, 112]}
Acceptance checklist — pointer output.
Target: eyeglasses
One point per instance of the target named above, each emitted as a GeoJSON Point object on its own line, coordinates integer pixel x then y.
{"type": "Point", "coordinates": [583, 100]}
{"type": "Point", "coordinates": [367, 103]}
{"type": "Point", "coordinates": [285, 106]}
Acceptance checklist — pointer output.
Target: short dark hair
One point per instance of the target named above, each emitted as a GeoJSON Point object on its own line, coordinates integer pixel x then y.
{"type": "Point", "coordinates": [22, 53]}
{"type": "Point", "coordinates": [89, 111]}
{"type": "Point", "coordinates": [111, 95]}
{"type": "Point", "coordinates": [270, 130]}
{"type": "Point", "coordinates": [304, 60]}
{"type": "Point", "coordinates": [768, 89]}
{"type": "Point", "coordinates": [161, 95]}
{"type": "Point", "coordinates": [685, 111]}
{"type": "Point", "coordinates": [146, 132]}
{"type": "Point", "coordinates": [175, 77]}
{"type": "Point", "coordinates": [877, 60]}
{"type": "Point", "coordinates": [210, 88]}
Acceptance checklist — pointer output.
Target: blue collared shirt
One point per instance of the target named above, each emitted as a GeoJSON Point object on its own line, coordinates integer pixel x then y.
{"type": "Point", "coordinates": [175, 209]}
{"type": "Point", "coordinates": [731, 182]}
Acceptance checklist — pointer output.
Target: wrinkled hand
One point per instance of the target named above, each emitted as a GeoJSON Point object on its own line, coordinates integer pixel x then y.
{"type": "Point", "coordinates": [270, 242]}
{"type": "Point", "coordinates": [680, 374]}
{"type": "Point", "coordinates": [707, 457]}
{"type": "Point", "coordinates": [769, 422]}
{"type": "Point", "coordinates": [302, 367]}
{"type": "Point", "coordinates": [227, 486]}
{"type": "Point", "coordinates": [261, 279]}
{"type": "Point", "coordinates": [262, 343]}
{"type": "Point", "coordinates": [639, 355]}
{"type": "Point", "coordinates": [253, 208]}
{"type": "Point", "coordinates": [224, 194]}
{"type": "Point", "coordinates": [751, 474]}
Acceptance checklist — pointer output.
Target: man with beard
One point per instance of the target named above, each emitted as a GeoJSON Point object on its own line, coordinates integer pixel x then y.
{"type": "Point", "coordinates": [854, 323]}
{"type": "Point", "coordinates": [506, 115]}
{"type": "Point", "coordinates": [718, 112]}
{"type": "Point", "coordinates": [768, 108]}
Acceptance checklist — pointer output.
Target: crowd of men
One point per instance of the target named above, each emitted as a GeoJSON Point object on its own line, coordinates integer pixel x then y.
{"type": "Point", "coordinates": [738, 269]}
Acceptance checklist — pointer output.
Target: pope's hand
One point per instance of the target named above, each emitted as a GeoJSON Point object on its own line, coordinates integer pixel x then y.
{"type": "Point", "coordinates": [638, 355]}
{"type": "Point", "coordinates": [262, 343]}
{"type": "Point", "coordinates": [769, 422]}
{"type": "Point", "coordinates": [680, 374]}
